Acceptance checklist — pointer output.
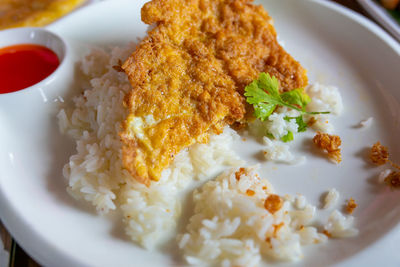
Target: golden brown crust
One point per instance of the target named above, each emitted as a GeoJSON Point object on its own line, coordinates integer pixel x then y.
{"type": "Point", "coordinates": [34, 13]}
{"type": "Point", "coordinates": [190, 73]}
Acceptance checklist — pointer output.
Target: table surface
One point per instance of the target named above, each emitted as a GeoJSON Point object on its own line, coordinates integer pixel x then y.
{"type": "Point", "coordinates": [20, 258]}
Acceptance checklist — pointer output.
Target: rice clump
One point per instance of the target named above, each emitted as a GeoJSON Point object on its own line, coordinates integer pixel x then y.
{"type": "Point", "coordinates": [324, 98]}
{"type": "Point", "coordinates": [95, 173]}
{"type": "Point", "coordinates": [331, 198]}
{"type": "Point", "coordinates": [239, 219]}
{"type": "Point", "coordinates": [366, 123]}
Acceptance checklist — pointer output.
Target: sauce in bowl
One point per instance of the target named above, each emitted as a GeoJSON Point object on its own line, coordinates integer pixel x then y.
{"type": "Point", "coordinates": [24, 65]}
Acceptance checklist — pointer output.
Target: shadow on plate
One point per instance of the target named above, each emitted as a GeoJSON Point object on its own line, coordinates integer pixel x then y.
{"type": "Point", "coordinates": [61, 147]}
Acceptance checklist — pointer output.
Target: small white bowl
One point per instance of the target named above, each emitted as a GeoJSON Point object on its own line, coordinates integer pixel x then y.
{"type": "Point", "coordinates": [38, 36]}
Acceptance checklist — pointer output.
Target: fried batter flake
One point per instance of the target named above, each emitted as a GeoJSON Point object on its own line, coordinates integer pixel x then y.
{"type": "Point", "coordinates": [239, 173]}
{"type": "Point", "coordinates": [393, 180]}
{"type": "Point", "coordinates": [325, 232]}
{"type": "Point", "coordinates": [351, 205]}
{"type": "Point", "coordinates": [189, 73]}
{"type": "Point", "coordinates": [379, 154]}
{"type": "Point", "coordinates": [273, 203]}
{"type": "Point", "coordinates": [311, 121]}
{"type": "Point", "coordinates": [250, 192]}
{"type": "Point", "coordinates": [330, 144]}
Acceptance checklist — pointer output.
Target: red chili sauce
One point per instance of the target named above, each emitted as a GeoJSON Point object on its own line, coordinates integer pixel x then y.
{"type": "Point", "coordinates": [24, 65]}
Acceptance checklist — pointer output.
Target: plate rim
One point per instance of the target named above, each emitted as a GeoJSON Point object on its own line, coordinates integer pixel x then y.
{"type": "Point", "coordinates": [40, 249]}
{"type": "Point", "coordinates": [380, 14]}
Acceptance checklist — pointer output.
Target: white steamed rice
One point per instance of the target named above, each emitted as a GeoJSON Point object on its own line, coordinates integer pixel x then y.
{"type": "Point", "coordinates": [324, 98]}
{"type": "Point", "coordinates": [278, 151]}
{"type": "Point", "coordinates": [366, 123]}
{"type": "Point", "coordinates": [95, 172]}
{"type": "Point", "coordinates": [331, 198]}
{"type": "Point", "coordinates": [231, 227]}
{"type": "Point", "coordinates": [340, 226]}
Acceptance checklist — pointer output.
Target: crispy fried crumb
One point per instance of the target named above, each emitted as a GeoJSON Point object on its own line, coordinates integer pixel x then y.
{"type": "Point", "coordinates": [325, 232]}
{"type": "Point", "coordinates": [239, 173]}
{"type": "Point", "coordinates": [379, 154]}
{"type": "Point", "coordinates": [268, 240]}
{"type": "Point", "coordinates": [393, 179]}
{"type": "Point", "coordinates": [237, 126]}
{"type": "Point", "coordinates": [316, 241]}
{"type": "Point", "coordinates": [250, 192]}
{"type": "Point", "coordinates": [394, 165]}
{"type": "Point", "coordinates": [118, 67]}
{"type": "Point", "coordinates": [273, 203]}
{"type": "Point", "coordinates": [330, 144]}
{"type": "Point", "coordinates": [277, 227]}
{"type": "Point", "coordinates": [311, 122]}
{"type": "Point", "coordinates": [351, 205]}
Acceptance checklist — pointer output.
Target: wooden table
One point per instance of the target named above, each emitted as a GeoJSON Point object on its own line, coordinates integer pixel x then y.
{"type": "Point", "coordinates": [22, 259]}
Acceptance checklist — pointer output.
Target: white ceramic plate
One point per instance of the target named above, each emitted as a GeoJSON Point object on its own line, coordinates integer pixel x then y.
{"type": "Point", "coordinates": [336, 46]}
{"type": "Point", "coordinates": [382, 16]}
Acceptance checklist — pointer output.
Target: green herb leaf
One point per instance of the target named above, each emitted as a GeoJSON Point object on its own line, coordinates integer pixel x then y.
{"type": "Point", "coordinates": [263, 110]}
{"type": "Point", "coordinates": [302, 125]}
{"type": "Point", "coordinates": [270, 136]}
{"type": "Point", "coordinates": [288, 137]}
{"type": "Point", "coordinates": [270, 84]}
{"type": "Point", "coordinates": [255, 95]}
{"type": "Point", "coordinates": [264, 95]}
{"type": "Point", "coordinates": [296, 97]}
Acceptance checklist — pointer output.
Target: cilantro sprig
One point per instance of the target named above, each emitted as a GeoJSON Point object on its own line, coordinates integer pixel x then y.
{"type": "Point", "coordinates": [300, 122]}
{"type": "Point", "coordinates": [264, 95]}
{"type": "Point", "coordinates": [302, 127]}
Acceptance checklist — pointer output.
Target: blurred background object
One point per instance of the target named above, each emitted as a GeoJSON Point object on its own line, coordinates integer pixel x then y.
{"type": "Point", "coordinates": [34, 13]}
{"type": "Point", "coordinates": [384, 12]}
{"type": "Point", "coordinates": [5, 246]}
{"type": "Point", "coordinates": [390, 4]}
